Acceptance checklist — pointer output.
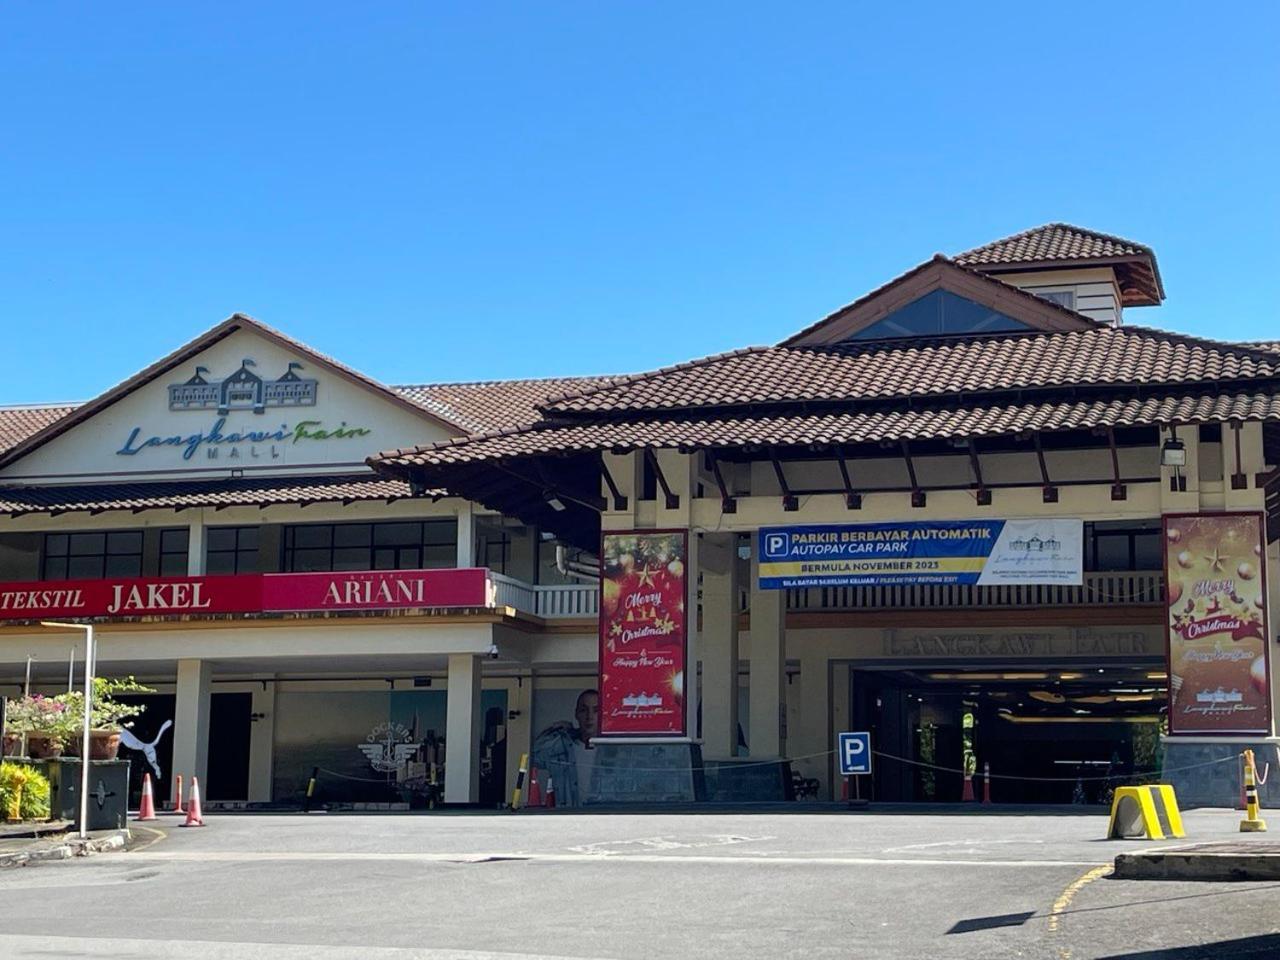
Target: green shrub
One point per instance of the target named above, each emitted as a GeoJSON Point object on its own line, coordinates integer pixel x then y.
{"type": "Point", "coordinates": [24, 792]}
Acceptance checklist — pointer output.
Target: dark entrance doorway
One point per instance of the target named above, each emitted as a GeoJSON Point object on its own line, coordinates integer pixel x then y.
{"type": "Point", "coordinates": [1070, 734]}
{"type": "Point", "coordinates": [230, 726]}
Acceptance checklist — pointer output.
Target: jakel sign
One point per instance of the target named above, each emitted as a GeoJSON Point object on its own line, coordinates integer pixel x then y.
{"type": "Point", "coordinates": [242, 391]}
{"type": "Point", "coordinates": [981, 552]}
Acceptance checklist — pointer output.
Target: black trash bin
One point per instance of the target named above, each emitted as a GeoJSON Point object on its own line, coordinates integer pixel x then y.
{"type": "Point", "coordinates": [108, 792]}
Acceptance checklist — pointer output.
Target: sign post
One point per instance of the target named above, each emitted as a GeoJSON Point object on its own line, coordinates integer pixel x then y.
{"type": "Point", "coordinates": [854, 750]}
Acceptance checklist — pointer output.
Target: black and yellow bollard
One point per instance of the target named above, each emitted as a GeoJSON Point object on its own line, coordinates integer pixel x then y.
{"type": "Point", "coordinates": [1252, 823]}
{"type": "Point", "coordinates": [520, 775]}
{"type": "Point", "coordinates": [311, 789]}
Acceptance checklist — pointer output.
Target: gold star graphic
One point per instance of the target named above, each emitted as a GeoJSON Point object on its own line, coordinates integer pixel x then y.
{"type": "Point", "coordinates": [1215, 559]}
{"type": "Point", "coordinates": [615, 630]}
{"type": "Point", "coordinates": [646, 577]}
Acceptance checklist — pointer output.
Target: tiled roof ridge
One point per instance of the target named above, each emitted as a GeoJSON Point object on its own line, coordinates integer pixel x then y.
{"type": "Point", "coordinates": [1253, 348]}
{"type": "Point", "coordinates": [64, 405]}
{"type": "Point", "coordinates": [937, 404]}
{"type": "Point", "coordinates": [1053, 225]}
{"type": "Point", "coordinates": [444, 384]}
{"type": "Point", "coordinates": [632, 378]}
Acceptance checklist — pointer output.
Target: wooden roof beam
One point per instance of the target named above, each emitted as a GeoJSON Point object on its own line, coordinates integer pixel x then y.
{"type": "Point", "coordinates": [918, 497]}
{"type": "Point", "coordinates": [1048, 491]}
{"type": "Point", "coordinates": [790, 502]}
{"type": "Point", "coordinates": [672, 500]}
{"type": "Point", "coordinates": [728, 503]}
{"type": "Point", "coordinates": [984, 494]}
{"type": "Point", "coordinates": [852, 499]}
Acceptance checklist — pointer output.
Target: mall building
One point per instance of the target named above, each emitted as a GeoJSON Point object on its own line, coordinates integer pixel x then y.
{"type": "Point", "coordinates": [399, 586]}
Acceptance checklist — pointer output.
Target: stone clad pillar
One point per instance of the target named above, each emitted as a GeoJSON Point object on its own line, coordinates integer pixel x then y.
{"type": "Point", "coordinates": [466, 556]}
{"type": "Point", "coordinates": [191, 722]}
{"type": "Point", "coordinates": [768, 665]}
{"type": "Point", "coordinates": [719, 645]}
{"type": "Point", "coordinates": [262, 742]}
{"type": "Point", "coordinates": [463, 729]}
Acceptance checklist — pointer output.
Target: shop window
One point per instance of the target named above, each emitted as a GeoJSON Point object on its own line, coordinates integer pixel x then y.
{"type": "Point", "coordinates": [173, 552]}
{"type": "Point", "coordinates": [1117, 547]}
{"type": "Point", "coordinates": [940, 313]}
{"type": "Point", "coordinates": [408, 545]}
{"type": "Point", "coordinates": [231, 550]}
{"type": "Point", "coordinates": [90, 556]}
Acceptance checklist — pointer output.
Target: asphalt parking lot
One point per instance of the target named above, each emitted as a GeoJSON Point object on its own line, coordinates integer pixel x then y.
{"type": "Point", "coordinates": [629, 886]}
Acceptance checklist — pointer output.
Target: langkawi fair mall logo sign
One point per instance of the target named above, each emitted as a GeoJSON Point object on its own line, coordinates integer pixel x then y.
{"type": "Point", "coordinates": [242, 392]}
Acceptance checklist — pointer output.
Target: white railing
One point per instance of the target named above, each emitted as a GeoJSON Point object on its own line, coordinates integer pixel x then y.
{"type": "Point", "coordinates": [544, 600]}
{"type": "Point", "coordinates": [1129, 588]}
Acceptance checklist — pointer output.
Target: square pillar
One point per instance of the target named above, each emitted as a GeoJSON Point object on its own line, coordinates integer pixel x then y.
{"type": "Point", "coordinates": [814, 740]}
{"type": "Point", "coordinates": [195, 545]}
{"type": "Point", "coordinates": [191, 722]}
{"type": "Point", "coordinates": [466, 556]}
{"type": "Point", "coordinates": [768, 665]}
{"type": "Point", "coordinates": [463, 729]}
{"type": "Point", "coordinates": [718, 561]}
{"type": "Point", "coordinates": [262, 742]}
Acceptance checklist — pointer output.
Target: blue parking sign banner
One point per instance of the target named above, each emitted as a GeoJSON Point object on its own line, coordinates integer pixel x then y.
{"type": "Point", "coordinates": [855, 753]}
{"type": "Point", "coordinates": [982, 552]}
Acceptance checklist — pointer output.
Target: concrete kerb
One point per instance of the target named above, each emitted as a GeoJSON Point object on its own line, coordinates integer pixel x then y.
{"type": "Point", "coordinates": [1204, 861]}
{"type": "Point", "coordinates": [64, 848]}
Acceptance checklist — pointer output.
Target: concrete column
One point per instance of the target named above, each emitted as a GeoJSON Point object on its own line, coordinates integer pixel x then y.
{"type": "Point", "coordinates": [768, 665]}
{"type": "Point", "coordinates": [719, 645]}
{"type": "Point", "coordinates": [191, 721]}
{"type": "Point", "coordinates": [1273, 630]}
{"type": "Point", "coordinates": [466, 536]}
{"type": "Point", "coordinates": [195, 545]}
{"type": "Point", "coordinates": [463, 729]}
{"type": "Point", "coordinates": [262, 742]}
{"type": "Point", "coordinates": [815, 726]}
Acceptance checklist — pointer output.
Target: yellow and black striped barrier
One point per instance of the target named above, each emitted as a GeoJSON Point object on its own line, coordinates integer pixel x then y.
{"type": "Point", "coordinates": [1252, 823]}
{"type": "Point", "coordinates": [518, 792]}
{"type": "Point", "coordinates": [1145, 813]}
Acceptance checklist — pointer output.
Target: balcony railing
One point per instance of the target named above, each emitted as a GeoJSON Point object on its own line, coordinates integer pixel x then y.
{"type": "Point", "coordinates": [551, 601]}
{"type": "Point", "coordinates": [1126, 588]}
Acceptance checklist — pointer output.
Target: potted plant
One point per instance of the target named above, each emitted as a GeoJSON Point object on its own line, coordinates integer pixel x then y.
{"type": "Point", "coordinates": [107, 715]}
{"type": "Point", "coordinates": [47, 722]}
{"type": "Point", "coordinates": [24, 793]}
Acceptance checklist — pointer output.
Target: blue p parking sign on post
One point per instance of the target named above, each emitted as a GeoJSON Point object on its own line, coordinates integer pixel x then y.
{"type": "Point", "coordinates": [855, 753]}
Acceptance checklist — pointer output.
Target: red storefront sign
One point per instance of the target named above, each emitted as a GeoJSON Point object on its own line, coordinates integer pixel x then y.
{"type": "Point", "coordinates": [1215, 566]}
{"type": "Point", "coordinates": [243, 593]}
{"type": "Point", "coordinates": [642, 633]}
{"type": "Point", "coordinates": [380, 590]}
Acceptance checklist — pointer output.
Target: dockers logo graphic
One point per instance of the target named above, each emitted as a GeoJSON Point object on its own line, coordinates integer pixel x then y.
{"type": "Point", "coordinates": [388, 747]}
{"type": "Point", "coordinates": [243, 390]}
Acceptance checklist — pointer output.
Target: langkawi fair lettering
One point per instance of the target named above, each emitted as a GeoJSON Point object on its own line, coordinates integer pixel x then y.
{"type": "Point", "coordinates": [190, 444]}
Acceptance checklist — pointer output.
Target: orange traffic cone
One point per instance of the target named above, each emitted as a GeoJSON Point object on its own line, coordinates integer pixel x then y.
{"type": "Point", "coordinates": [966, 796]}
{"type": "Point", "coordinates": [147, 809]}
{"type": "Point", "coordinates": [535, 789]}
{"type": "Point", "coordinates": [194, 817]}
{"type": "Point", "coordinates": [551, 792]}
{"type": "Point", "coordinates": [178, 805]}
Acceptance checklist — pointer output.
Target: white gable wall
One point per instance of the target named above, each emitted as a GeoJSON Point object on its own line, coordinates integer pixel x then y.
{"type": "Point", "coordinates": [324, 438]}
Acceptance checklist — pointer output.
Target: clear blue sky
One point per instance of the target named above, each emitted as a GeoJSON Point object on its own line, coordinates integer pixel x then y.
{"type": "Point", "coordinates": [448, 191]}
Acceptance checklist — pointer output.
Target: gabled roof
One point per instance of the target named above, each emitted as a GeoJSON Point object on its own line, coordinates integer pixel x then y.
{"type": "Point", "coordinates": [862, 371]}
{"type": "Point", "coordinates": [939, 273]}
{"type": "Point", "coordinates": [1063, 244]}
{"type": "Point", "coordinates": [18, 423]}
{"type": "Point", "coordinates": [495, 404]}
{"type": "Point", "coordinates": [224, 329]}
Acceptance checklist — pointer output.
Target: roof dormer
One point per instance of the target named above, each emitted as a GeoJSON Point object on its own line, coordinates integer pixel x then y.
{"type": "Point", "coordinates": [1092, 273]}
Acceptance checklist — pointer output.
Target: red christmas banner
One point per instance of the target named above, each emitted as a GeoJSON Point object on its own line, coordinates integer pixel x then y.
{"type": "Point", "coordinates": [1215, 568]}
{"type": "Point", "coordinates": [642, 633]}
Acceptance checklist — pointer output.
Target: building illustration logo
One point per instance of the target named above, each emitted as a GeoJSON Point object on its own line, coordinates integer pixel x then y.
{"type": "Point", "coordinates": [1036, 545]}
{"type": "Point", "coordinates": [243, 390]}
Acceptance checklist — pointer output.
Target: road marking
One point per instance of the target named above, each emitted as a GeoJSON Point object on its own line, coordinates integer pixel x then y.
{"type": "Point", "coordinates": [130, 949]}
{"type": "Point", "coordinates": [1064, 901]}
{"type": "Point", "coordinates": [666, 843]}
{"type": "Point", "coordinates": [215, 856]}
{"type": "Point", "coordinates": [157, 836]}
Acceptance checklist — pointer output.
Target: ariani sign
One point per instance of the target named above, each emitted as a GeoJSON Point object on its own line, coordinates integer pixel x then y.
{"type": "Point", "coordinates": [244, 390]}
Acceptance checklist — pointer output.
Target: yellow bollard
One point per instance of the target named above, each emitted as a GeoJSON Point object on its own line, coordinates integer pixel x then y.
{"type": "Point", "coordinates": [1252, 823]}
{"type": "Point", "coordinates": [515, 794]}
